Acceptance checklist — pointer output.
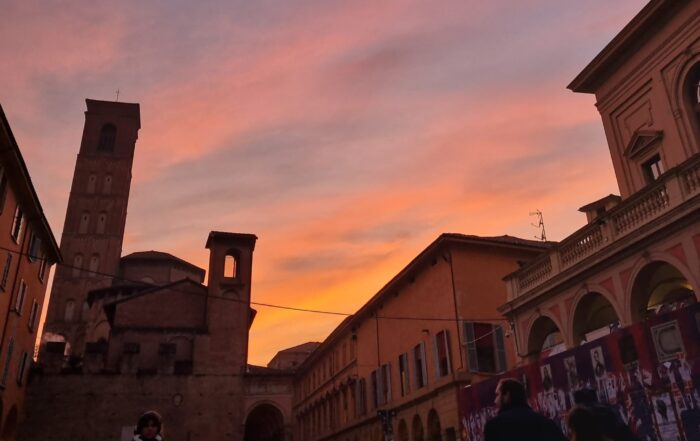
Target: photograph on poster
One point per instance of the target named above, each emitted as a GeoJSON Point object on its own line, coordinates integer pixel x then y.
{"type": "Point", "coordinates": [598, 362]}
{"type": "Point", "coordinates": [546, 372]}
{"type": "Point", "coordinates": [667, 340]}
{"type": "Point", "coordinates": [665, 417]}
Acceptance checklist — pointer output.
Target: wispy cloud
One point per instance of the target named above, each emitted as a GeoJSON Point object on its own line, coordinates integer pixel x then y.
{"type": "Point", "coordinates": [346, 134]}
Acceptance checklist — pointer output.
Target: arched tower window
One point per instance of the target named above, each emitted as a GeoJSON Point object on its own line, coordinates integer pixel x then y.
{"type": "Point", "coordinates": [92, 180]}
{"type": "Point", "coordinates": [84, 223]}
{"type": "Point", "coordinates": [69, 311]}
{"type": "Point", "coordinates": [77, 265]}
{"type": "Point", "coordinates": [107, 136]}
{"type": "Point", "coordinates": [94, 265]}
{"type": "Point", "coordinates": [101, 222]}
{"type": "Point", "coordinates": [231, 266]}
{"type": "Point", "coordinates": [107, 187]}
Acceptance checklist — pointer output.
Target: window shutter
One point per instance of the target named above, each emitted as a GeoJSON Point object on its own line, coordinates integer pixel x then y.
{"type": "Point", "coordinates": [388, 382]}
{"type": "Point", "coordinates": [379, 387]}
{"type": "Point", "coordinates": [436, 357]}
{"type": "Point", "coordinates": [424, 369]}
{"type": "Point", "coordinates": [6, 370]}
{"type": "Point", "coordinates": [447, 351]}
{"type": "Point", "coordinates": [499, 344]}
{"type": "Point", "coordinates": [358, 397]}
{"type": "Point", "coordinates": [471, 346]}
{"type": "Point", "coordinates": [416, 371]}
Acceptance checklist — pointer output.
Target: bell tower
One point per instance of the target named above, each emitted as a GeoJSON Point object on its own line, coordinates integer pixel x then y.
{"type": "Point", "coordinates": [93, 231]}
{"type": "Point", "coordinates": [229, 315]}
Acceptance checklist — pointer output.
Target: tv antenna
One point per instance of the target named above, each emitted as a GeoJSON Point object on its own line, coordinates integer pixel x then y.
{"type": "Point", "coordinates": [540, 225]}
{"type": "Point", "coordinates": [117, 92]}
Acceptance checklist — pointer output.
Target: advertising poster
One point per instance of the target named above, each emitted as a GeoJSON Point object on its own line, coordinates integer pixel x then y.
{"type": "Point", "coordinates": [648, 373]}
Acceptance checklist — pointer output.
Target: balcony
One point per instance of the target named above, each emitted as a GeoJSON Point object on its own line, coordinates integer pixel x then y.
{"type": "Point", "coordinates": [671, 193]}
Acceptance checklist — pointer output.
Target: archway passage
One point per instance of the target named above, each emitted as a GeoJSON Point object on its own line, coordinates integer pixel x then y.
{"type": "Point", "coordinates": [417, 429]}
{"type": "Point", "coordinates": [434, 429]}
{"type": "Point", "coordinates": [264, 423]}
{"type": "Point", "coordinates": [594, 317]}
{"type": "Point", "coordinates": [8, 429]}
{"type": "Point", "coordinates": [402, 431]}
{"type": "Point", "coordinates": [659, 288]}
{"type": "Point", "coordinates": [545, 338]}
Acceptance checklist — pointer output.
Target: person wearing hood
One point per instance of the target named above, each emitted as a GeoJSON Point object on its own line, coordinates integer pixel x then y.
{"type": "Point", "coordinates": [149, 427]}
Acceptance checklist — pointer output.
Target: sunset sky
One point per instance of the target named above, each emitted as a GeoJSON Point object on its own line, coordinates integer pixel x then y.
{"type": "Point", "coordinates": [347, 135]}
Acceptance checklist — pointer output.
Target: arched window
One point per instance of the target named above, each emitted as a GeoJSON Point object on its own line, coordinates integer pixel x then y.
{"type": "Point", "coordinates": [101, 222]}
{"type": "Point", "coordinates": [94, 265]}
{"type": "Point", "coordinates": [92, 180]}
{"type": "Point", "coordinates": [69, 311]}
{"type": "Point", "coordinates": [231, 266]}
{"type": "Point", "coordinates": [107, 136]}
{"type": "Point", "coordinates": [84, 313]}
{"type": "Point", "coordinates": [107, 187]}
{"type": "Point", "coordinates": [84, 223]}
{"type": "Point", "coordinates": [77, 265]}
{"type": "Point", "coordinates": [692, 94]}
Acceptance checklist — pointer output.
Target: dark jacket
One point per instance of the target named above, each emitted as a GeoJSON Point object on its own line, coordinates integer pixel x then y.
{"type": "Point", "coordinates": [521, 423]}
{"type": "Point", "coordinates": [611, 424]}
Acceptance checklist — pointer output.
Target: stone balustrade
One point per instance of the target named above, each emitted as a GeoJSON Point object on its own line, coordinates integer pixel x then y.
{"type": "Point", "coordinates": [673, 189]}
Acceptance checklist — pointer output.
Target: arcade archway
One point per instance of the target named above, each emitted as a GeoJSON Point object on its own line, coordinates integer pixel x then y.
{"type": "Point", "coordinates": [594, 317]}
{"type": "Point", "coordinates": [544, 336]}
{"type": "Point", "coordinates": [658, 288]}
{"type": "Point", "coordinates": [264, 423]}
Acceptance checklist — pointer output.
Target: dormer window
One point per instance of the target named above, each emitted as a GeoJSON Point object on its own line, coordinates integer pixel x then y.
{"type": "Point", "coordinates": [107, 136]}
{"type": "Point", "coordinates": [652, 169]}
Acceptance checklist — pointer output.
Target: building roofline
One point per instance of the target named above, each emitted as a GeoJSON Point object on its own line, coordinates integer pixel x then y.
{"type": "Point", "coordinates": [246, 238]}
{"type": "Point", "coordinates": [614, 53]}
{"type": "Point", "coordinates": [17, 169]}
{"type": "Point", "coordinates": [414, 265]}
{"type": "Point", "coordinates": [159, 256]}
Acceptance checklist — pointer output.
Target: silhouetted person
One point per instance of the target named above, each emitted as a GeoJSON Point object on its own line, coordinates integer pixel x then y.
{"type": "Point", "coordinates": [148, 427]}
{"type": "Point", "coordinates": [584, 425]}
{"type": "Point", "coordinates": [606, 418]}
{"type": "Point", "coordinates": [516, 421]}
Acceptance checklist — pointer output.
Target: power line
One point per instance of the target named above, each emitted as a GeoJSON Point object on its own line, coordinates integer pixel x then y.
{"type": "Point", "coordinates": [268, 305]}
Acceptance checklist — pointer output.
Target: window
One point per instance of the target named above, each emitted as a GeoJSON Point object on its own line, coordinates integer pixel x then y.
{"type": "Point", "coordinates": [653, 168]}
{"type": "Point", "coordinates": [84, 223]}
{"type": "Point", "coordinates": [17, 224]}
{"type": "Point", "coordinates": [33, 316]}
{"type": "Point", "coordinates": [107, 136]}
{"type": "Point", "coordinates": [94, 265]}
{"type": "Point", "coordinates": [385, 384]}
{"type": "Point", "coordinates": [69, 311]}
{"type": "Point", "coordinates": [419, 367]}
{"type": "Point", "coordinates": [42, 267]}
{"type": "Point", "coordinates": [374, 382]}
{"type": "Point", "coordinates": [230, 267]}
{"type": "Point", "coordinates": [101, 222]}
{"type": "Point", "coordinates": [77, 265]}
{"type": "Point", "coordinates": [6, 271]}
{"type": "Point", "coordinates": [34, 248]}
{"type": "Point", "coordinates": [22, 367]}
{"type": "Point", "coordinates": [8, 360]}
{"type": "Point", "coordinates": [3, 188]}
{"type": "Point", "coordinates": [21, 294]}
{"type": "Point", "coordinates": [360, 397]}
{"type": "Point", "coordinates": [92, 181]}
{"type": "Point", "coordinates": [107, 187]}
{"type": "Point", "coordinates": [441, 347]}
{"type": "Point", "coordinates": [404, 374]}
{"type": "Point", "coordinates": [485, 347]}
